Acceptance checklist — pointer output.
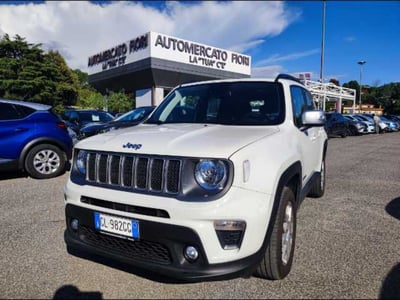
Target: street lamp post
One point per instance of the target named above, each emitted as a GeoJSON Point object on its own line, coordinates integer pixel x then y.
{"type": "Point", "coordinates": [361, 63]}
{"type": "Point", "coordinates": [321, 74]}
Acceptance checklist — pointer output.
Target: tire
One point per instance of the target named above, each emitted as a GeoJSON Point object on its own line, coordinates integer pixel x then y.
{"type": "Point", "coordinates": [318, 189]}
{"type": "Point", "coordinates": [353, 131]}
{"type": "Point", "coordinates": [278, 257]}
{"type": "Point", "coordinates": [45, 161]}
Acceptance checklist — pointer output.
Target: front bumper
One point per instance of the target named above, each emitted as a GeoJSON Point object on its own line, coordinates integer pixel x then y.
{"type": "Point", "coordinates": [160, 248]}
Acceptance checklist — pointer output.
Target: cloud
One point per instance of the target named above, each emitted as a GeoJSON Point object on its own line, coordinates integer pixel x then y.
{"type": "Point", "coordinates": [266, 72]}
{"type": "Point", "coordinates": [62, 48]}
{"type": "Point", "coordinates": [79, 29]}
{"type": "Point", "coordinates": [230, 23]}
{"type": "Point", "coordinates": [349, 39]}
{"type": "Point", "coordinates": [292, 56]}
{"type": "Point", "coordinates": [245, 46]}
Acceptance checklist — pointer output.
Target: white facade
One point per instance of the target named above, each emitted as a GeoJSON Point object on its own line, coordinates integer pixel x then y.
{"type": "Point", "coordinates": [158, 45]}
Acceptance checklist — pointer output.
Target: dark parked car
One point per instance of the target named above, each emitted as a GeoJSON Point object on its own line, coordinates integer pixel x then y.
{"type": "Point", "coordinates": [337, 125]}
{"type": "Point", "coordinates": [78, 118]}
{"type": "Point", "coordinates": [33, 138]}
{"type": "Point", "coordinates": [131, 118]}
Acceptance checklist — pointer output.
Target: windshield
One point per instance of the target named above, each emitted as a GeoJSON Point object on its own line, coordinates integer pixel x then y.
{"type": "Point", "coordinates": [228, 103]}
{"type": "Point", "coordinates": [137, 114]}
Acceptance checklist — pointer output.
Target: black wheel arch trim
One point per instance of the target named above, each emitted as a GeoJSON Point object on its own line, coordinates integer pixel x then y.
{"type": "Point", "coordinates": [325, 149]}
{"type": "Point", "coordinates": [39, 141]}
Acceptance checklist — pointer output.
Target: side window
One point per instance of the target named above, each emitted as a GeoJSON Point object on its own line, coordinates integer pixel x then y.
{"type": "Point", "coordinates": [25, 111]}
{"type": "Point", "coordinates": [302, 101]}
{"type": "Point", "coordinates": [9, 112]}
{"type": "Point", "coordinates": [309, 100]}
{"type": "Point", "coordinates": [299, 104]}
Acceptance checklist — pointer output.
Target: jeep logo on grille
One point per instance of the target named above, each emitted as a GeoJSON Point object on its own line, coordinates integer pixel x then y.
{"type": "Point", "coordinates": [132, 146]}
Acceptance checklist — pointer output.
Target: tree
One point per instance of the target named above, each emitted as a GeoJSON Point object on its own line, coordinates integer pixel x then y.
{"type": "Point", "coordinates": [119, 102]}
{"type": "Point", "coordinates": [334, 81]}
{"type": "Point", "coordinates": [28, 73]}
{"type": "Point", "coordinates": [386, 96]}
{"type": "Point", "coordinates": [82, 77]}
{"type": "Point", "coordinates": [90, 98]}
{"type": "Point", "coordinates": [353, 84]}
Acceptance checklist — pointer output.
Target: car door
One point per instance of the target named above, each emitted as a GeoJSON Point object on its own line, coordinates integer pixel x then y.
{"type": "Point", "coordinates": [335, 125]}
{"type": "Point", "coordinates": [15, 129]}
{"type": "Point", "coordinates": [310, 138]}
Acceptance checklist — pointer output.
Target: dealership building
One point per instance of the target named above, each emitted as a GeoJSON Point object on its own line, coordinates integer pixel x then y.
{"type": "Point", "coordinates": [150, 65]}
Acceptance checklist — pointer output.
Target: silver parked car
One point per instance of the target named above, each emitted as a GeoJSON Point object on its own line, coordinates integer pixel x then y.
{"type": "Point", "coordinates": [370, 128]}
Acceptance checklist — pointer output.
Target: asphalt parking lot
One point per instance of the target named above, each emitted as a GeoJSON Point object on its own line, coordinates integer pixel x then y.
{"type": "Point", "coordinates": [348, 242]}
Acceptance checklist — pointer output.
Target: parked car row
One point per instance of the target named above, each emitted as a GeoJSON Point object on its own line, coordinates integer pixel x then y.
{"type": "Point", "coordinates": [130, 118]}
{"type": "Point", "coordinates": [356, 124]}
{"type": "Point", "coordinates": [88, 122]}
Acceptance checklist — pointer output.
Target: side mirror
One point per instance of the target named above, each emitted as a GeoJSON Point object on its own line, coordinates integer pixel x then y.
{"type": "Point", "coordinates": [313, 118]}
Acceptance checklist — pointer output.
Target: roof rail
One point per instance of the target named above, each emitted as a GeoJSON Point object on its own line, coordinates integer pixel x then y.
{"type": "Point", "coordinates": [287, 76]}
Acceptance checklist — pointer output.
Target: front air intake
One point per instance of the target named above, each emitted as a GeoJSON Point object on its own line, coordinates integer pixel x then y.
{"type": "Point", "coordinates": [135, 172]}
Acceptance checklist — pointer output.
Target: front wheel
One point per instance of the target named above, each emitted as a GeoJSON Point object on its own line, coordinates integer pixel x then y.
{"type": "Point", "coordinates": [45, 161]}
{"type": "Point", "coordinates": [278, 257]}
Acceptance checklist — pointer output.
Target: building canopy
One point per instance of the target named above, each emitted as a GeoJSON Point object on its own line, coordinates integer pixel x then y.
{"type": "Point", "coordinates": [158, 60]}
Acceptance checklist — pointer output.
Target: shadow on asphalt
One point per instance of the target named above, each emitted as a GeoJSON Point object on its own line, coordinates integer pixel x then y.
{"type": "Point", "coordinates": [12, 175]}
{"type": "Point", "coordinates": [5, 175]}
{"type": "Point", "coordinates": [72, 292]}
{"type": "Point", "coordinates": [393, 209]}
{"type": "Point", "coordinates": [391, 285]}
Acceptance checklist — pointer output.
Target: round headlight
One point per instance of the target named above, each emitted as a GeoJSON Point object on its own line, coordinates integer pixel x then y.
{"type": "Point", "coordinates": [81, 161]}
{"type": "Point", "coordinates": [211, 174]}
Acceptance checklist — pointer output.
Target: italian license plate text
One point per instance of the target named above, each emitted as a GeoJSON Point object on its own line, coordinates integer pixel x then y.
{"type": "Point", "coordinates": [116, 225]}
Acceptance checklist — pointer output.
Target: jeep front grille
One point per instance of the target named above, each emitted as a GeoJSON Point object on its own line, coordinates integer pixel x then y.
{"type": "Point", "coordinates": [134, 172]}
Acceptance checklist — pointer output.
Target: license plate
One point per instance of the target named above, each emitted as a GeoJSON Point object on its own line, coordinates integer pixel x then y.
{"type": "Point", "coordinates": [116, 225]}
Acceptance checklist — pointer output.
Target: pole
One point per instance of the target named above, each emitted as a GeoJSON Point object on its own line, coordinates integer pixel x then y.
{"type": "Point", "coordinates": [361, 63]}
{"type": "Point", "coordinates": [321, 74]}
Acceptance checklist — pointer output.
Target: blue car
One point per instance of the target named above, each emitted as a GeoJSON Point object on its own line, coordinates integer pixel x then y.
{"type": "Point", "coordinates": [33, 139]}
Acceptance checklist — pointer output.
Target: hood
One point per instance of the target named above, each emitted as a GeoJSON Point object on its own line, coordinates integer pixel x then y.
{"type": "Point", "coordinates": [196, 140]}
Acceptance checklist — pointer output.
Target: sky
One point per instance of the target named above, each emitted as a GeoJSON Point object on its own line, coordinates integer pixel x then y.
{"type": "Point", "coordinates": [280, 36]}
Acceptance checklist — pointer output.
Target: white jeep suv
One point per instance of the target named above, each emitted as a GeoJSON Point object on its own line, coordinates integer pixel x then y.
{"type": "Point", "coordinates": [208, 187]}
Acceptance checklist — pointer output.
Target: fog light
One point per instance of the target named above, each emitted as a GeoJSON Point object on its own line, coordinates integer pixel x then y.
{"type": "Point", "coordinates": [74, 224]}
{"type": "Point", "coordinates": [191, 253]}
